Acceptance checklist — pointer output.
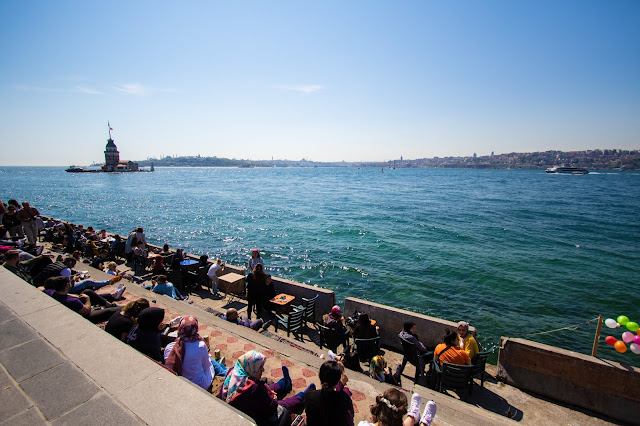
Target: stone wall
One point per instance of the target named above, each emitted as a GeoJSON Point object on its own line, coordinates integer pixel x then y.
{"type": "Point", "coordinates": [599, 385]}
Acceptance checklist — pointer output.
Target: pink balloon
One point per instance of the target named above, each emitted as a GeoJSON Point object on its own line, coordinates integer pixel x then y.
{"type": "Point", "coordinates": [627, 337]}
{"type": "Point", "coordinates": [636, 340]}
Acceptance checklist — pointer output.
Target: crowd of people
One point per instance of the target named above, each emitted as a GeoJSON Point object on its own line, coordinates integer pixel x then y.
{"type": "Point", "coordinates": [144, 328]}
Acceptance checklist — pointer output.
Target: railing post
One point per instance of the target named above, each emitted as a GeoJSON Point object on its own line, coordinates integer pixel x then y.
{"type": "Point", "coordinates": [594, 352]}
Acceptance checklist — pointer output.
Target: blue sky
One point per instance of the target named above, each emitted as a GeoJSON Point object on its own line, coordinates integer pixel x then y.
{"type": "Point", "coordinates": [325, 81]}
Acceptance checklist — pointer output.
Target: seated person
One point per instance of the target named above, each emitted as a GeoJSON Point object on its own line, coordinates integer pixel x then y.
{"type": "Point", "coordinates": [189, 356]}
{"type": "Point", "coordinates": [232, 316]}
{"type": "Point", "coordinates": [390, 408]}
{"type": "Point", "coordinates": [332, 404]}
{"type": "Point", "coordinates": [449, 351]}
{"type": "Point", "coordinates": [145, 337]}
{"type": "Point", "coordinates": [245, 390]}
{"type": "Point", "coordinates": [378, 370]}
{"type": "Point", "coordinates": [165, 250]}
{"type": "Point", "coordinates": [12, 263]}
{"type": "Point", "coordinates": [409, 334]}
{"type": "Point", "coordinates": [467, 341]}
{"type": "Point", "coordinates": [363, 328]}
{"type": "Point", "coordinates": [351, 361]}
{"type": "Point", "coordinates": [157, 267]}
{"type": "Point", "coordinates": [335, 321]}
{"type": "Point", "coordinates": [214, 272]}
{"type": "Point", "coordinates": [64, 269]}
{"type": "Point", "coordinates": [141, 254]}
{"type": "Point", "coordinates": [100, 259]}
{"type": "Point", "coordinates": [160, 285]}
{"type": "Point", "coordinates": [112, 269]}
{"type": "Point", "coordinates": [120, 324]}
{"type": "Point", "coordinates": [81, 303]}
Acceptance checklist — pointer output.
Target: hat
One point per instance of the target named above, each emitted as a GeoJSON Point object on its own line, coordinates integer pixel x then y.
{"type": "Point", "coordinates": [463, 324]}
{"type": "Point", "coordinates": [254, 250]}
{"type": "Point", "coordinates": [336, 312]}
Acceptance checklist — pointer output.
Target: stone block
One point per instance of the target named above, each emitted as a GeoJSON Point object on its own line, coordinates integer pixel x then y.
{"type": "Point", "coordinates": [30, 417]}
{"type": "Point", "coordinates": [59, 389]}
{"type": "Point", "coordinates": [101, 409]}
{"type": "Point", "coordinates": [13, 400]}
{"type": "Point", "coordinates": [14, 333]}
{"type": "Point", "coordinates": [29, 359]}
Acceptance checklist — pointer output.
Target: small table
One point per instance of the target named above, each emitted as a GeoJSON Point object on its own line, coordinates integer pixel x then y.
{"type": "Point", "coordinates": [282, 301]}
{"type": "Point", "coordinates": [231, 283]}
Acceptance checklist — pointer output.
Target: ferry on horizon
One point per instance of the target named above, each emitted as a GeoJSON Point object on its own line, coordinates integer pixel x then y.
{"type": "Point", "coordinates": [567, 170]}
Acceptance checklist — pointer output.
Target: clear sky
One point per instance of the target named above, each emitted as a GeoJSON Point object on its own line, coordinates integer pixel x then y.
{"type": "Point", "coordinates": [321, 80]}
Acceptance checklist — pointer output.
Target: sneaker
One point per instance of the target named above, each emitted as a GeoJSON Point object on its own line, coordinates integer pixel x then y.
{"type": "Point", "coordinates": [331, 355]}
{"type": "Point", "coordinates": [39, 250]}
{"type": "Point", "coordinates": [119, 291]}
{"type": "Point", "coordinates": [175, 322]}
{"type": "Point", "coordinates": [115, 279]}
{"type": "Point", "coordinates": [429, 413]}
{"type": "Point", "coordinates": [414, 408]}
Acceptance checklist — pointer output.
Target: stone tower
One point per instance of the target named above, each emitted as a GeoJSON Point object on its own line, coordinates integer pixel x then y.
{"type": "Point", "coordinates": [111, 155]}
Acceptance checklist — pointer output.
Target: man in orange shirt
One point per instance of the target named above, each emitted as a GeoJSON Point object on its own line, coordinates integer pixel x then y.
{"type": "Point", "coordinates": [450, 351]}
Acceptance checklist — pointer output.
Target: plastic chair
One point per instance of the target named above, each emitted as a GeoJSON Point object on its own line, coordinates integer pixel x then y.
{"type": "Point", "coordinates": [309, 306]}
{"type": "Point", "coordinates": [367, 348]}
{"type": "Point", "coordinates": [292, 322]}
{"type": "Point", "coordinates": [479, 363]}
{"type": "Point", "coordinates": [410, 354]}
{"type": "Point", "coordinates": [331, 338]}
{"type": "Point", "coordinates": [454, 377]}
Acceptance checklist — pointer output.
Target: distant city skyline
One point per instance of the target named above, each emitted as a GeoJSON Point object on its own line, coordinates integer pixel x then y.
{"type": "Point", "coordinates": [330, 81]}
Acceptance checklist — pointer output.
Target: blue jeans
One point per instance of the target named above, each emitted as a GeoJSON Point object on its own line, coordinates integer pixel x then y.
{"type": "Point", "coordinates": [218, 368]}
{"type": "Point", "coordinates": [83, 285]}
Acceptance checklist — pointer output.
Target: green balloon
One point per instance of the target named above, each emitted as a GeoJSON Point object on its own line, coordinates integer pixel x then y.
{"type": "Point", "coordinates": [633, 326]}
{"type": "Point", "coordinates": [622, 320]}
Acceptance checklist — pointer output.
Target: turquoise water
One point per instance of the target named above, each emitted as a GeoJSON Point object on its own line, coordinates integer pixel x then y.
{"type": "Point", "coordinates": [512, 252]}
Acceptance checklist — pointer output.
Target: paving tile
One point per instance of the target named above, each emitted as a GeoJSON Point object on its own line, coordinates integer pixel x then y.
{"type": "Point", "coordinates": [100, 409]}
{"type": "Point", "coordinates": [59, 389]}
{"type": "Point", "coordinates": [12, 399]}
{"type": "Point", "coordinates": [30, 417]}
{"type": "Point", "coordinates": [14, 333]}
{"type": "Point", "coordinates": [29, 359]}
{"type": "Point", "coordinates": [6, 314]}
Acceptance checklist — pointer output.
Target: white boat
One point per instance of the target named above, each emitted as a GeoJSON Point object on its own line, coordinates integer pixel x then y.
{"type": "Point", "coordinates": [567, 170]}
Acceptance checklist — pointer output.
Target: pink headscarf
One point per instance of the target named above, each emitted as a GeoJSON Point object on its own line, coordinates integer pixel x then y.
{"type": "Point", "coordinates": [336, 312]}
{"type": "Point", "coordinates": [187, 332]}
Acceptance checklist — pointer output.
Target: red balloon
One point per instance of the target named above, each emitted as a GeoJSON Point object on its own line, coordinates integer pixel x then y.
{"type": "Point", "coordinates": [610, 340]}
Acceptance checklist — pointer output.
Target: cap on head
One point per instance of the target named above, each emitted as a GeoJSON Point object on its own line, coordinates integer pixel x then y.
{"type": "Point", "coordinates": [463, 324]}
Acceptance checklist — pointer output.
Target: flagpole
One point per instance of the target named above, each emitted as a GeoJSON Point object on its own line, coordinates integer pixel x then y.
{"type": "Point", "coordinates": [109, 126]}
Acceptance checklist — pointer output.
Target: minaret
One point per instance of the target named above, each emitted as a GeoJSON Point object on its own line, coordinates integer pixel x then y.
{"type": "Point", "coordinates": [111, 154]}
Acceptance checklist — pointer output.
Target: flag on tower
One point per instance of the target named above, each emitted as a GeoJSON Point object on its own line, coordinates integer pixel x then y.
{"type": "Point", "coordinates": [109, 126]}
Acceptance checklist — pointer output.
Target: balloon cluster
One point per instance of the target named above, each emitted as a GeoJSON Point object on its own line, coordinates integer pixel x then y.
{"type": "Point", "coordinates": [627, 336]}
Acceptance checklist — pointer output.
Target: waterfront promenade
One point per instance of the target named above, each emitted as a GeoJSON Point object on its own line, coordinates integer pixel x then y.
{"type": "Point", "coordinates": [486, 406]}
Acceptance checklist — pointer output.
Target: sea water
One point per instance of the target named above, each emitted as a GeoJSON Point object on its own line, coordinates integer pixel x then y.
{"type": "Point", "coordinates": [513, 252]}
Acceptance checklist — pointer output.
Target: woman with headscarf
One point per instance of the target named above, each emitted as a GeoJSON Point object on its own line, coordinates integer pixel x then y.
{"type": "Point", "coordinates": [189, 355]}
{"type": "Point", "coordinates": [378, 370]}
{"type": "Point", "coordinates": [335, 321]}
{"type": "Point", "coordinates": [245, 390]}
{"type": "Point", "coordinates": [145, 337]}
